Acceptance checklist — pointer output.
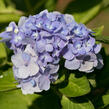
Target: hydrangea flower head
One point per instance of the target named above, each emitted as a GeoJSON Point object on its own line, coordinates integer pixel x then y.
{"type": "Point", "coordinates": [40, 41]}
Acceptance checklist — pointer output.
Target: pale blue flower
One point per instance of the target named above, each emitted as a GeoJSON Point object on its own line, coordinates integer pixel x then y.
{"type": "Point", "coordinates": [39, 43]}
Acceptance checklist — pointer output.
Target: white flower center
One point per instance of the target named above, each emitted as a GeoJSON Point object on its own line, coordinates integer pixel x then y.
{"type": "Point", "coordinates": [16, 30]}
{"type": "Point", "coordinates": [78, 46]}
{"type": "Point", "coordinates": [9, 29]}
{"type": "Point", "coordinates": [38, 25]}
{"type": "Point", "coordinates": [76, 31]}
{"type": "Point", "coordinates": [17, 38]}
{"type": "Point", "coordinates": [35, 34]}
{"type": "Point", "coordinates": [49, 27]}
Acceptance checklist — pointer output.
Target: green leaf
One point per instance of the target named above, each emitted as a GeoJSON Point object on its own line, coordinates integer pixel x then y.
{"type": "Point", "coordinates": [7, 81]}
{"type": "Point", "coordinates": [103, 39]}
{"type": "Point", "coordinates": [105, 3]}
{"type": "Point", "coordinates": [87, 15]}
{"type": "Point", "coordinates": [73, 104]}
{"type": "Point", "coordinates": [4, 18]}
{"type": "Point", "coordinates": [7, 8]}
{"type": "Point", "coordinates": [50, 5]}
{"type": "Point", "coordinates": [3, 53]}
{"type": "Point", "coordinates": [84, 13]}
{"type": "Point", "coordinates": [77, 86]}
{"type": "Point", "coordinates": [92, 80]}
{"type": "Point", "coordinates": [2, 4]}
{"type": "Point", "coordinates": [101, 101]}
{"type": "Point", "coordinates": [48, 100]}
{"type": "Point", "coordinates": [16, 100]}
{"type": "Point", "coordinates": [8, 13]}
{"type": "Point", "coordinates": [105, 99]}
{"type": "Point", "coordinates": [98, 35]}
{"type": "Point", "coordinates": [98, 31]}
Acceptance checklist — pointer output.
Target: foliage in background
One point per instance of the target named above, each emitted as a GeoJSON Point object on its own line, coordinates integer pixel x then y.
{"type": "Point", "coordinates": [73, 90]}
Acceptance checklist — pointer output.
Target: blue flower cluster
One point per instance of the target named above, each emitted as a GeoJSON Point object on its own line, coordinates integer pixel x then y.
{"type": "Point", "coordinates": [41, 40]}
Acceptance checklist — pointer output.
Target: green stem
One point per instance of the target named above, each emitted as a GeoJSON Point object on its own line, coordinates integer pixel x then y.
{"type": "Point", "coordinates": [103, 39]}
{"type": "Point", "coordinates": [9, 89]}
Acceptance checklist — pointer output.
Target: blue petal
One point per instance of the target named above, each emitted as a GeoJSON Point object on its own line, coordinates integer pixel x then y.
{"type": "Point", "coordinates": [86, 66]}
{"type": "Point", "coordinates": [68, 55]}
{"type": "Point", "coordinates": [49, 48]}
{"type": "Point", "coordinates": [44, 83]}
{"type": "Point", "coordinates": [51, 69]}
{"type": "Point", "coordinates": [73, 64]}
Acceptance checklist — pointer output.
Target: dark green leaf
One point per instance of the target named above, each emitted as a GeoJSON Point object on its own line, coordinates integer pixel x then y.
{"type": "Point", "coordinates": [49, 100]}
{"type": "Point", "coordinates": [50, 5]}
{"type": "Point", "coordinates": [87, 15]}
{"type": "Point", "coordinates": [101, 101]}
{"type": "Point", "coordinates": [85, 10]}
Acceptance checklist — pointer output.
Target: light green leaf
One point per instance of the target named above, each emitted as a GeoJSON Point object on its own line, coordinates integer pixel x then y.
{"type": "Point", "coordinates": [12, 98]}
{"type": "Point", "coordinates": [4, 18]}
{"type": "Point", "coordinates": [8, 13]}
{"type": "Point", "coordinates": [98, 35]}
{"type": "Point", "coordinates": [3, 53]}
{"type": "Point", "coordinates": [7, 81]}
{"type": "Point", "coordinates": [16, 100]}
{"type": "Point", "coordinates": [73, 104]}
{"type": "Point", "coordinates": [98, 31]}
{"type": "Point", "coordinates": [92, 80]}
{"type": "Point", "coordinates": [103, 39]}
{"type": "Point", "coordinates": [105, 3]}
{"type": "Point", "coordinates": [8, 9]}
{"type": "Point", "coordinates": [105, 99]}
{"type": "Point", "coordinates": [2, 4]}
{"type": "Point", "coordinates": [77, 86]}
{"type": "Point", "coordinates": [87, 15]}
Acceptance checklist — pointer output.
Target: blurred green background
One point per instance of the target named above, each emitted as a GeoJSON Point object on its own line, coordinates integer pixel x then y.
{"type": "Point", "coordinates": [101, 19]}
{"type": "Point", "coordinates": [93, 13]}
{"type": "Point", "coordinates": [11, 10]}
{"type": "Point", "coordinates": [83, 10]}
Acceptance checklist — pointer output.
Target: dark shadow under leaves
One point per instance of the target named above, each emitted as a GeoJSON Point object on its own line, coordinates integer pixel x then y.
{"type": "Point", "coordinates": [49, 100]}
